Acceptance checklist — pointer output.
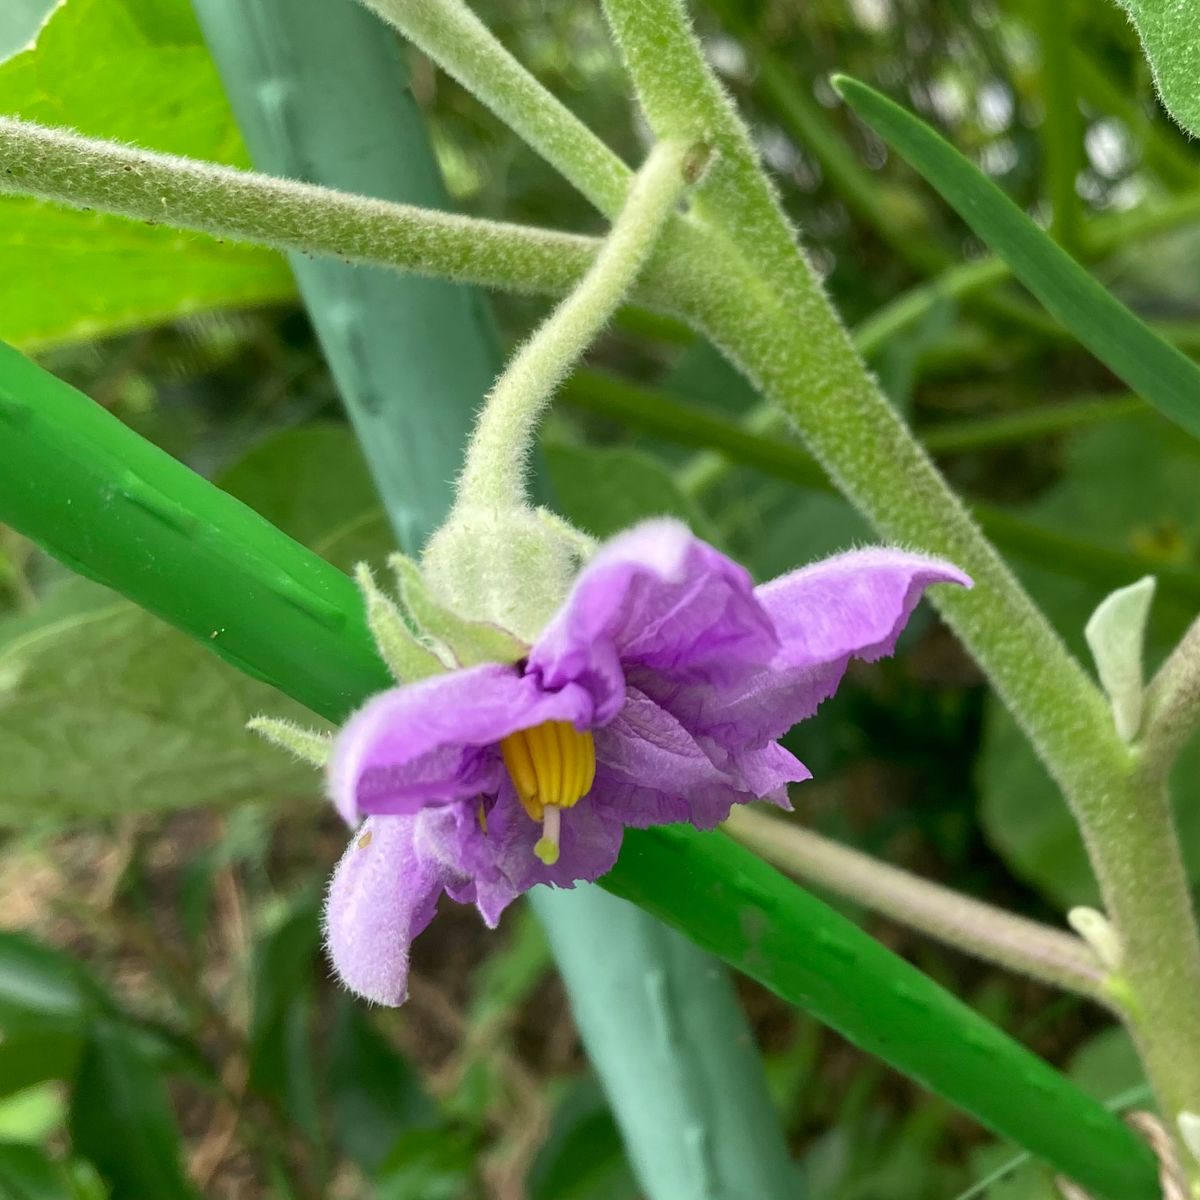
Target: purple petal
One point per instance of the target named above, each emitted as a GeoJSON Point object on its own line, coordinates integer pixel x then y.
{"type": "Point", "coordinates": [433, 742]}
{"type": "Point", "coordinates": [384, 892]}
{"type": "Point", "coordinates": [852, 606]}
{"type": "Point", "coordinates": [589, 842]}
{"type": "Point", "coordinates": [655, 598]}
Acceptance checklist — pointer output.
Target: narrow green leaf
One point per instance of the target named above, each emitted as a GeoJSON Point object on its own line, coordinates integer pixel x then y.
{"type": "Point", "coordinates": [1171, 43]}
{"type": "Point", "coordinates": [41, 988]}
{"type": "Point", "coordinates": [1156, 370]}
{"type": "Point", "coordinates": [122, 1120]}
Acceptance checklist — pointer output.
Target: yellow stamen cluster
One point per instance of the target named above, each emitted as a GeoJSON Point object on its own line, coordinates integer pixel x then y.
{"type": "Point", "coordinates": [552, 766]}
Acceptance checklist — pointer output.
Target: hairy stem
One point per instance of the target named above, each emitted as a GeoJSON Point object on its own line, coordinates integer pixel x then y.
{"type": "Point", "coordinates": [1172, 707]}
{"type": "Point", "coordinates": [244, 206]}
{"type": "Point", "coordinates": [459, 42]}
{"type": "Point", "coordinates": [1021, 945]}
{"type": "Point", "coordinates": [496, 458]}
{"type": "Point", "coordinates": [789, 341]}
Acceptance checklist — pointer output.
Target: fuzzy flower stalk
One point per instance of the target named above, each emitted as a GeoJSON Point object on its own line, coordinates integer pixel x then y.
{"type": "Point", "coordinates": [553, 694]}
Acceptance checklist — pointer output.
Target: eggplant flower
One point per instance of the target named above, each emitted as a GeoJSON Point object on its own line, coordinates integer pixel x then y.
{"type": "Point", "coordinates": [655, 695]}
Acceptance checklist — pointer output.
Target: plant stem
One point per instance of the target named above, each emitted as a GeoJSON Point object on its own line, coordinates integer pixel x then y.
{"type": "Point", "coordinates": [1062, 133]}
{"type": "Point", "coordinates": [496, 458]}
{"type": "Point", "coordinates": [1172, 707]}
{"type": "Point", "coordinates": [730, 443]}
{"type": "Point", "coordinates": [773, 319]}
{"type": "Point", "coordinates": [450, 33]}
{"type": "Point", "coordinates": [1021, 945]}
{"type": "Point", "coordinates": [245, 206]}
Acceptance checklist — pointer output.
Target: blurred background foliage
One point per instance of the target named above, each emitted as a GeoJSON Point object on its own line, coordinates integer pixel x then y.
{"type": "Point", "coordinates": [168, 1024]}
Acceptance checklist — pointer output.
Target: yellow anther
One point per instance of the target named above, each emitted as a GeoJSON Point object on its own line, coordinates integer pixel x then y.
{"type": "Point", "coordinates": [551, 765]}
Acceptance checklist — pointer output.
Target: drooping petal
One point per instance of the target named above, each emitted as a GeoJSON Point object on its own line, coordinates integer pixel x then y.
{"type": "Point", "coordinates": [654, 598]}
{"type": "Point", "coordinates": [383, 893]}
{"type": "Point", "coordinates": [433, 742]}
{"type": "Point", "coordinates": [854, 605]}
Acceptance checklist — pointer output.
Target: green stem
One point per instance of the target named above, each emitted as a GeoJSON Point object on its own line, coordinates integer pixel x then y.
{"type": "Point", "coordinates": [1172, 707]}
{"type": "Point", "coordinates": [494, 473]}
{"type": "Point", "coordinates": [93, 493]}
{"type": "Point", "coordinates": [464, 48]}
{"type": "Point", "coordinates": [1062, 132]}
{"type": "Point", "coordinates": [298, 217]}
{"type": "Point", "coordinates": [990, 933]}
{"type": "Point", "coordinates": [774, 320]}
{"type": "Point", "coordinates": [784, 459]}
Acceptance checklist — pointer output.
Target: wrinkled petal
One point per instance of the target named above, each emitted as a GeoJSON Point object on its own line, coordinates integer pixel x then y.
{"type": "Point", "coordinates": [650, 770]}
{"type": "Point", "coordinates": [383, 893]}
{"type": "Point", "coordinates": [852, 606]}
{"type": "Point", "coordinates": [659, 599]}
{"type": "Point", "coordinates": [433, 742]}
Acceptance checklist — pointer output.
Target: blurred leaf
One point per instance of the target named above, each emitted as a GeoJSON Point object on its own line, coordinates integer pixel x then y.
{"type": "Point", "coordinates": [605, 490]}
{"type": "Point", "coordinates": [429, 1164]}
{"type": "Point", "coordinates": [582, 1157]}
{"type": "Point", "coordinates": [34, 1057]}
{"type": "Point", "coordinates": [1109, 496]}
{"type": "Point", "coordinates": [113, 711]}
{"type": "Point", "coordinates": [1159, 372]}
{"type": "Point", "coordinates": [280, 1054]}
{"type": "Point", "coordinates": [32, 1115]}
{"type": "Point", "coordinates": [376, 1095]}
{"type": "Point", "coordinates": [137, 72]}
{"type": "Point", "coordinates": [19, 21]}
{"type": "Point", "coordinates": [1169, 38]}
{"type": "Point", "coordinates": [41, 989]}
{"type": "Point", "coordinates": [121, 1118]}
{"type": "Point", "coordinates": [510, 974]}
{"type": "Point", "coordinates": [1107, 1065]}
{"type": "Point", "coordinates": [27, 1174]}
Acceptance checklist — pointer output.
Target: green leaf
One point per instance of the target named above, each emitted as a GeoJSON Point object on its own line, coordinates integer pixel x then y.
{"type": "Point", "coordinates": [27, 1174]}
{"type": "Point", "coordinates": [582, 1157]}
{"type": "Point", "coordinates": [280, 1055]}
{"type": "Point", "coordinates": [19, 22]}
{"type": "Point", "coordinates": [41, 989]}
{"type": "Point", "coordinates": [112, 711]}
{"type": "Point", "coordinates": [605, 490]}
{"type": "Point", "coordinates": [139, 73]}
{"type": "Point", "coordinates": [34, 1057]}
{"type": "Point", "coordinates": [1169, 38]}
{"type": "Point", "coordinates": [121, 1118]}
{"type": "Point", "coordinates": [376, 1095]}
{"type": "Point", "coordinates": [1156, 370]}
{"type": "Point", "coordinates": [424, 1164]}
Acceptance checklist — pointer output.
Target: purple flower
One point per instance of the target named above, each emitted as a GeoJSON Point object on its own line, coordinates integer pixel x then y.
{"type": "Point", "coordinates": [655, 695]}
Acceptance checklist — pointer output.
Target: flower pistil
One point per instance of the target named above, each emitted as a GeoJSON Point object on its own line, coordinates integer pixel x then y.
{"type": "Point", "coordinates": [552, 767]}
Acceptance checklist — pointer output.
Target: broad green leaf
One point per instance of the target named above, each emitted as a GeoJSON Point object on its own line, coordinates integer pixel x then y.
{"type": "Point", "coordinates": [121, 1118]}
{"type": "Point", "coordinates": [113, 711]}
{"type": "Point", "coordinates": [137, 72]}
{"type": "Point", "coordinates": [1159, 372]}
{"type": "Point", "coordinates": [1108, 496]}
{"type": "Point", "coordinates": [1171, 42]}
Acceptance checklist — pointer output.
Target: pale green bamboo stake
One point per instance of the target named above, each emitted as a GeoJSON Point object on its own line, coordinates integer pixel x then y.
{"type": "Point", "coordinates": [319, 89]}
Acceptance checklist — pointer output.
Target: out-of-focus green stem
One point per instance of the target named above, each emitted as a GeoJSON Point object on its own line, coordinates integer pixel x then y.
{"type": "Point", "coordinates": [1051, 955]}
{"type": "Point", "coordinates": [730, 442]}
{"type": "Point", "coordinates": [1062, 128]}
